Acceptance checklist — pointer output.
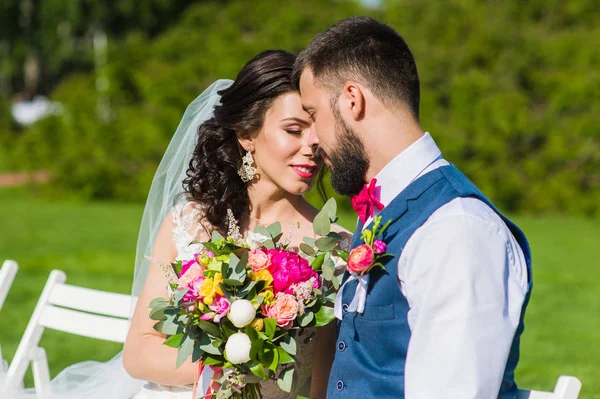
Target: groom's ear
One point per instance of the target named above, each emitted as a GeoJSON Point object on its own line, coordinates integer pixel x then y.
{"type": "Point", "coordinates": [353, 99]}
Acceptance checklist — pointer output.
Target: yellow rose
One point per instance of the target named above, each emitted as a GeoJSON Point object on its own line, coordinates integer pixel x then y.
{"type": "Point", "coordinates": [210, 288]}
{"type": "Point", "coordinates": [263, 275]}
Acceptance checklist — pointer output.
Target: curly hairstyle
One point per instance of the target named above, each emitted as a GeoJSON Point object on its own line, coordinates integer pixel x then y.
{"type": "Point", "coordinates": [212, 176]}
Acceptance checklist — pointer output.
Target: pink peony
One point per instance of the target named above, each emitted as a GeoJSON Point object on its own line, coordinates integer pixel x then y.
{"type": "Point", "coordinates": [379, 247]}
{"type": "Point", "coordinates": [288, 268]}
{"type": "Point", "coordinates": [284, 310]}
{"type": "Point", "coordinates": [258, 260]}
{"type": "Point", "coordinates": [361, 258]}
{"type": "Point", "coordinates": [220, 306]}
{"type": "Point", "coordinates": [193, 288]}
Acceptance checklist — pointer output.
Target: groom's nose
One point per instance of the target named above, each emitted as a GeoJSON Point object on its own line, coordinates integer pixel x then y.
{"type": "Point", "coordinates": [313, 140]}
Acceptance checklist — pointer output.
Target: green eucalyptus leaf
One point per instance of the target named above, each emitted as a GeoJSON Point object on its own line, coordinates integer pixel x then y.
{"type": "Point", "coordinates": [306, 318]}
{"type": "Point", "coordinates": [185, 350]}
{"type": "Point", "coordinates": [158, 302]}
{"type": "Point", "coordinates": [216, 236]}
{"type": "Point", "coordinates": [326, 244]}
{"type": "Point", "coordinates": [209, 328]}
{"type": "Point", "coordinates": [158, 314]}
{"type": "Point", "coordinates": [269, 244]}
{"type": "Point", "coordinates": [262, 230]}
{"type": "Point", "coordinates": [197, 354]}
{"type": "Point", "coordinates": [179, 294]}
{"type": "Point", "coordinates": [307, 249]}
{"type": "Point", "coordinates": [205, 343]}
{"type": "Point", "coordinates": [330, 208]}
{"type": "Point", "coordinates": [274, 229]}
{"type": "Point", "coordinates": [322, 224]}
{"type": "Point", "coordinates": [289, 345]}
{"type": "Point", "coordinates": [337, 281]}
{"type": "Point", "coordinates": [286, 379]}
{"type": "Point", "coordinates": [245, 290]}
{"type": "Point", "coordinates": [309, 241]}
{"type": "Point", "coordinates": [328, 267]}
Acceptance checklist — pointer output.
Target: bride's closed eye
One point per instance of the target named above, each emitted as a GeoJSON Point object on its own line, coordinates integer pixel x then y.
{"type": "Point", "coordinates": [295, 129]}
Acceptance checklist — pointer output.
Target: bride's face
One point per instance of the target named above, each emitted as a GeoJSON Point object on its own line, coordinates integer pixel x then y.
{"type": "Point", "coordinates": [281, 150]}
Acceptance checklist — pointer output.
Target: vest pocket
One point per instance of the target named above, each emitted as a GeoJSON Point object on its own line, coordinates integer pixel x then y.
{"type": "Point", "coordinates": [376, 313]}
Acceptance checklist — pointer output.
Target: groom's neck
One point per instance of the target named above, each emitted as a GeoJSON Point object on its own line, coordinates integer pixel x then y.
{"type": "Point", "coordinates": [388, 135]}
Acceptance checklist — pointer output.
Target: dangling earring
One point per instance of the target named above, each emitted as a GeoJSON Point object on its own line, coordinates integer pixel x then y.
{"type": "Point", "coordinates": [247, 171]}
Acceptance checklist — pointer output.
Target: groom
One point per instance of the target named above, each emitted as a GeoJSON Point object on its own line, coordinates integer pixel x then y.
{"type": "Point", "coordinates": [444, 318]}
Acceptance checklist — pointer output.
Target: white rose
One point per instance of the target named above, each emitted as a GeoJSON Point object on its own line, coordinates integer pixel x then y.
{"type": "Point", "coordinates": [237, 348]}
{"type": "Point", "coordinates": [241, 313]}
{"type": "Point", "coordinates": [256, 240]}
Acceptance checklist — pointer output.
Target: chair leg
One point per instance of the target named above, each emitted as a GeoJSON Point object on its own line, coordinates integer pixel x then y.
{"type": "Point", "coordinates": [41, 374]}
{"type": "Point", "coordinates": [567, 387]}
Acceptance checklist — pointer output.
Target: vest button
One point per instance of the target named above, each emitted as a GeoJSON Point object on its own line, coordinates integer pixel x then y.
{"type": "Point", "coordinates": [342, 346]}
{"type": "Point", "coordinates": [340, 385]}
{"type": "Point", "coordinates": [345, 308]}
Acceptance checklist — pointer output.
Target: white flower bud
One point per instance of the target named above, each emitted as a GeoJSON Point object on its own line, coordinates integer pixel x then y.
{"type": "Point", "coordinates": [241, 313]}
{"type": "Point", "coordinates": [237, 348]}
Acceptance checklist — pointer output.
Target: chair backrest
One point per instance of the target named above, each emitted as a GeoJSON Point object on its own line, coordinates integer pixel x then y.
{"type": "Point", "coordinates": [566, 388]}
{"type": "Point", "coordinates": [7, 275]}
{"type": "Point", "coordinates": [72, 309]}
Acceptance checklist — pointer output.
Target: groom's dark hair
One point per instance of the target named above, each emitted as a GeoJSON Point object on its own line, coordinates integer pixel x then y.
{"type": "Point", "coordinates": [367, 51]}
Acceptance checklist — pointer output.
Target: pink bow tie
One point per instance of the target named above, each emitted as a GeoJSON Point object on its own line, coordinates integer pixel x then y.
{"type": "Point", "coordinates": [365, 201]}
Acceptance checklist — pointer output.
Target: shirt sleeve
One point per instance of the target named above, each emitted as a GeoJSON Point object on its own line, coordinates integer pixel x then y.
{"type": "Point", "coordinates": [465, 280]}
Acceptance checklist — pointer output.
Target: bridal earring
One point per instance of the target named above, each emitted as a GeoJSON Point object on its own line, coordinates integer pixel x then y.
{"type": "Point", "coordinates": [247, 171]}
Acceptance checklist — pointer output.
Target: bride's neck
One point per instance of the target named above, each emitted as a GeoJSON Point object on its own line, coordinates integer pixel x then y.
{"type": "Point", "coordinates": [269, 204]}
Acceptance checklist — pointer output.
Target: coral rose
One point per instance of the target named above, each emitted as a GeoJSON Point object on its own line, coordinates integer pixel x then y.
{"type": "Point", "coordinates": [361, 258]}
{"type": "Point", "coordinates": [284, 310]}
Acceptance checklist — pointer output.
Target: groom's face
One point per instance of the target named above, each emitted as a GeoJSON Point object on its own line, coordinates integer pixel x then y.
{"type": "Point", "coordinates": [340, 146]}
{"type": "Point", "coordinates": [315, 101]}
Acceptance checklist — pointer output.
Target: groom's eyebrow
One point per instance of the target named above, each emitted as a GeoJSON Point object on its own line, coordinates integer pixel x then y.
{"type": "Point", "coordinates": [296, 119]}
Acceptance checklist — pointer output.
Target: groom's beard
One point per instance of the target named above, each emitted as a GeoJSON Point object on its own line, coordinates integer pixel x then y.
{"type": "Point", "coordinates": [349, 162]}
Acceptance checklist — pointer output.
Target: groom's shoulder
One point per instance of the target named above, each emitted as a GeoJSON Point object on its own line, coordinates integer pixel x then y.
{"type": "Point", "coordinates": [467, 208]}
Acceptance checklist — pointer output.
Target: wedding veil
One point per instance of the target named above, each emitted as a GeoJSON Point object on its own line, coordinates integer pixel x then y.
{"type": "Point", "coordinates": [96, 380]}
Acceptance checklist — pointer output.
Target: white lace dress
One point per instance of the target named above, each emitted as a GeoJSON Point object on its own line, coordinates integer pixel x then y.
{"type": "Point", "coordinates": [187, 228]}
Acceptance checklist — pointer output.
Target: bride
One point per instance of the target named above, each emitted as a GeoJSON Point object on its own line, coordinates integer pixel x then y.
{"type": "Point", "coordinates": [252, 155]}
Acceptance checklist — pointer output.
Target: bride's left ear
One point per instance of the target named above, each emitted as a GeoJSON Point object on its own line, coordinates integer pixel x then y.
{"type": "Point", "coordinates": [246, 143]}
{"type": "Point", "coordinates": [353, 99]}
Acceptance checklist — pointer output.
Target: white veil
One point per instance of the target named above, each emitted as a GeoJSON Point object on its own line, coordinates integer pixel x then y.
{"type": "Point", "coordinates": [98, 380]}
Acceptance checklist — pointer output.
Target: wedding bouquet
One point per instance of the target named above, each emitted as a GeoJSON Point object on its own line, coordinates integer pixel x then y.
{"type": "Point", "coordinates": [237, 306]}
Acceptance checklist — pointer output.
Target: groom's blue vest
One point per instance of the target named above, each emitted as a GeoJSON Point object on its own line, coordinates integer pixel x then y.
{"type": "Point", "coordinates": [371, 347]}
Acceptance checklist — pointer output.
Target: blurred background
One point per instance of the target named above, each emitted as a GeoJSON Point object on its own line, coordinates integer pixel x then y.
{"type": "Point", "coordinates": [91, 92]}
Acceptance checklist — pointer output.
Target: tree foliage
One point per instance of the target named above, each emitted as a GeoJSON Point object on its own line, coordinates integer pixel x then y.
{"type": "Point", "coordinates": [510, 90]}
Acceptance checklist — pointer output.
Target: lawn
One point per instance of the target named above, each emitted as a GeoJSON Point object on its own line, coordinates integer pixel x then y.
{"type": "Point", "coordinates": [94, 243]}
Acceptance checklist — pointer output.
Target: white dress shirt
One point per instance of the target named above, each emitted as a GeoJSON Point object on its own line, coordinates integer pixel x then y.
{"type": "Point", "coordinates": [465, 278]}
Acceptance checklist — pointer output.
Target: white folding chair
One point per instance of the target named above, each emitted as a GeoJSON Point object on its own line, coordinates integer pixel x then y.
{"type": "Point", "coordinates": [566, 388]}
{"type": "Point", "coordinates": [76, 310]}
{"type": "Point", "coordinates": [7, 275]}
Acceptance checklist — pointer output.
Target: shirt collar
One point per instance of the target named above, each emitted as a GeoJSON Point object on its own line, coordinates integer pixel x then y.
{"type": "Point", "coordinates": [406, 167]}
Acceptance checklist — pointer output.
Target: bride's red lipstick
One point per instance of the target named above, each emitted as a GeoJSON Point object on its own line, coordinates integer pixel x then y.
{"type": "Point", "coordinates": [304, 171]}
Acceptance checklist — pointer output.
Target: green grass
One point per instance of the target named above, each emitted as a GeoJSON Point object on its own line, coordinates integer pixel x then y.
{"type": "Point", "coordinates": [94, 243]}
